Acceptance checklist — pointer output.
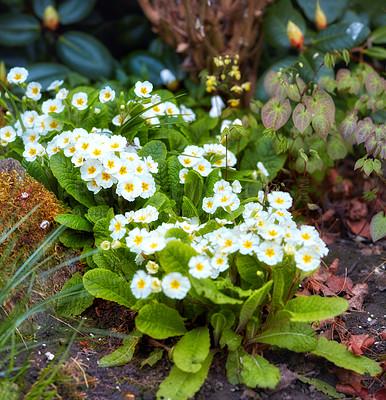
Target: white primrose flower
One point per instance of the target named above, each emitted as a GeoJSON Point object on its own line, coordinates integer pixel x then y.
{"type": "Point", "coordinates": [187, 161]}
{"type": "Point", "coordinates": [148, 186]}
{"type": "Point", "coordinates": [279, 200]}
{"type": "Point", "coordinates": [151, 164]}
{"type": "Point", "coordinates": [167, 76]}
{"type": "Point", "coordinates": [262, 170]}
{"type": "Point", "coordinates": [135, 238]}
{"type": "Point", "coordinates": [111, 163]}
{"type": "Point", "coordinates": [130, 216]}
{"type": "Point", "coordinates": [307, 258]}
{"type": "Point", "coordinates": [105, 180]}
{"type": "Point", "coordinates": [119, 120]}
{"type": "Point", "coordinates": [270, 253]}
{"type": "Point", "coordinates": [93, 186]}
{"type": "Point", "coordinates": [146, 215]}
{"type": "Point", "coordinates": [320, 247]}
{"type": "Point", "coordinates": [62, 94]}
{"type": "Point", "coordinates": [236, 187]}
{"type": "Point", "coordinates": [106, 94]}
{"type": "Point", "coordinates": [199, 267]}
{"type": "Point", "coordinates": [52, 105]}
{"type": "Point", "coordinates": [141, 285]}
{"type": "Point", "coordinates": [33, 91]}
{"type": "Point", "coordinates": [156, 285]}
{"type": "Point", "coordinates": [79, 100]}
{"type": "Point", "coordinates": [209, 205]}
{"type": "Point", "coordinates": [52, 125]}
{"type": "Point", "coordinates": [54, 85]}
{"type": "Point", "coordinates": [307, 235]}
{"type": "Point", "coordinates": [17, 75]}
{"type": "Point", "coordinates": [29, 118]}
{"type": "Point", "coordinates": [187, 114]}
{"type": "Point", "coordinates": [117, 227]}
{"type": "Point", "coordinates": [130, 189]}
{"type": "Point", "coordinates": [171, 109]}
{"type": "Point", "coordinates": [203, 167]}
{"type": "Point", "coordinates": [226, 123]}
{"type": "Point", "coordinates": [143, 89]}
{"type": "Point", "coordinates": [228, 243]}
{"type": "Point", "coordinates": [33, 150]}
{"type": "Point", "coordinates": [117, 142]}
{"type": "Point", "coordinates": [152, 267]}
{"type": "Point", "coordinates": [153, 242]}
{"type": "Point", "coordinates": [248, 243]}
{"type": "Point", "coordinates": [90, 169]}
{"type": "Point", "coordinates": [272, 232]}
{"type": "Point", "coordinates": [8, 134]}
{"type": "Point", "coordinates": [175, 285]}
{"type": "Point", "coordinates": [182, 174]}
{"type": "Point", "coordinates": [220, 262]}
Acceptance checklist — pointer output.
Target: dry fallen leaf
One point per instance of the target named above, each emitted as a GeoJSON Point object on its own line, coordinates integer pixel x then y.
{"type": "Point", "coordinates": [359, 292]}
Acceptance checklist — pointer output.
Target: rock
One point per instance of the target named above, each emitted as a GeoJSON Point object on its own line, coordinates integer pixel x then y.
{"type": "Point", "coordinates": [10, 164]}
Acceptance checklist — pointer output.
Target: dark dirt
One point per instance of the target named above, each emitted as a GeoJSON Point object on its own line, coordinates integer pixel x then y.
{"type": "Point", "coordinates": [363, 263]}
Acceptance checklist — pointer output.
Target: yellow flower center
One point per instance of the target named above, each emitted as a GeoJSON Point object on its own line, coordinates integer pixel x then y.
{"type": "Point", "coordinates": [138, 240]}
{"type": "Point", "coordinates": [52, 108]}
{"type": "Point", "coordinates": [175, 284]}
{"type": "Point", "coordinates": [91, 170]}
{"type": "Point", "coordinates": [270, 252]}
{"type": "Point", "coordinates": [129, 187]}
{"type": "Point", "coordinates": [307, 259]}
{"type": "Point", "coordinates": [199, 267]}
{"type": "Point", "coordinates": [141, 284]}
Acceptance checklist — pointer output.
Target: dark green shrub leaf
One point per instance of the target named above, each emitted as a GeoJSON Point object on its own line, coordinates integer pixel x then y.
{"type": "Point", "coordinates": [341, 36]}
{"type": "Point", "coordinates": [159, 321]}
{"type": "Point", "coordinates": [336, 148]}
{"type": "Point", "coordinates": [84, 54]}
{"type": "Point", "coordinates": [379, 35]}
{"type": "Point", "coordinates": [192, 350]}
{"type": "Point", "coordinates": [124, 354]}
{"type": "Point", "coordinates": [333, 9]}
{"type": "Point", "coordinates": [145, 66]}
{"type": "Point", "coordinates": [45, 73]}
{"type": "Point", "coordinates": [74, 299]}
{"type": "Point", "coordinates": [72, 11]}
{"type": "Point", "coordinates": [18, 29]}
{"type": "Point", "coordinates": [276, 20]}
{"type": "Point", "coordinates": [180, 385]}
{"type": "Point", "coordinates": [340, 356]}
{"type": "Point", "coordinates": [378, 226]}
{"type": "Point", "coordinates": [377, 52]}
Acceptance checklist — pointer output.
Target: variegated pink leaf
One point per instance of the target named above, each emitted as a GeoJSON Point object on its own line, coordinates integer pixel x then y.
{"type": "Point", "coordinates": [349, 125]}
{"type": "Point", "coordinates": [301, 117]}
{"type": "Point", "coordinates": [371, 143]}
{"type": "Point", "coordinates": [275, 113]}
{"type": "Point", "coordinates": [374, 83]}
{"type": "Point", "coordinates": [364, 130]}
{"type": "Point", "coordinates": [294, 91]}
{"type": "Point", "coordinates": [271, 81]}
{"type": "Point", "coordinates": [343, 79]}
{"type": "Point", "coordinates": [324, 100]}
{"type": "Point", "coordinates": [380, 133]}
{"type": "Point", "coordinates": [321, 125]}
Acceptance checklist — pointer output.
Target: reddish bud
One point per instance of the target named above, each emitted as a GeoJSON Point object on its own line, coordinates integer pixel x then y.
{"type": "Point", "coordinates": [51, 18]}
{"type": "Point", "coordinates": [320, 17]}
{"type": "Point", "coordinates": [294, 35]}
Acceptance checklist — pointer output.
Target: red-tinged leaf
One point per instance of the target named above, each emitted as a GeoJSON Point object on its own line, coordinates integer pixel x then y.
{"type": "Point", "coordinates": [349, 125]}
{"type": "Point", "coordinates": [343, 79]}
{"type": "Point", "coordinates": [324, 100]}
{"type": "Point", "coordinates": [321, 125]}
{"type": "Point", "coordinates": [380, 394]}
{"type": "Point", "coordinates": [294, 91]}
{"type": "Point", "coordinates": [371, 144]}
{"type": "Point", "coordinates": [275, 113]}
{"type": "Point", "coordinates": [271, 81]}
{"type": "Point", "coordinates": [281, 90]}
{"type": "Point", "coordinates": [301, 117]}
{"type": "Point", "coordinates": [374, 84]}
{"type": "Point", "coordinates": [380, 133]}
{"type": "Point", "coordinates": [364, 130]}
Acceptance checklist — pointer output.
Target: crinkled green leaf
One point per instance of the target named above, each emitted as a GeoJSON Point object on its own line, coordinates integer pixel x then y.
{"type": "Point", "coordinates": [248, 267]}
{"type": "Point", "coordinates": [97, 212]}
{"type": "Point", "coordinates": [230, 339]}
{"type": "Point", "coordinates": [75, 239]}
{"type": "Point", "coordinates": [18, 29]}
{"type": "Point", "coordinates": [69, 178]}
{"type": "Point", "coordinates": [74, 222]}
{"type": "Point", "coordinates": [192, 350]}
{"type": "Point", "coordinates": [251, 304]}
{"type": "Point", "coordinates": [294, 336]}
{"type": "Point", "coordinates": [194, 187]}
{"type": "Point", "coordinates": [340, 356]}
{"type": "Point", "coordinates": [336, 149]}
{"type": "Point", "coordinates": [315, 308]}
{"type": "Point", "coordinates": [181, 385]}
{"type": "Point", "coordinates": [155, 148]}
{"type": "Point", "coordinates": [107, 285]}
{"type": "Point", "coordinates": [154, 357]}
{"type": "Point", "coordinates": [73, 299]}
{"type": "Point", "coordinates": [258, 372]}
{"type": "Point", "coordinates": [159, 321]}
{"type": "Point", "coordinates": [175, 257]}
{"type": "Point", "coordinates": [124, 354]}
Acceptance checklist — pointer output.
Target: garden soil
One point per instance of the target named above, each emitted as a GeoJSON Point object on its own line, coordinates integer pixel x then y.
{"type": "Point", "coordinates": [84, 379]}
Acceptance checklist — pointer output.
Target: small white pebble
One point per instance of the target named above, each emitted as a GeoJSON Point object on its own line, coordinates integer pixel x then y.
{"type": "Point", "coordinates": [87, 359]}
{"type": "Point", "coordinates": [44, 345]}
{"type": "Point", "coordinates": [117, 387]}
{"type": "Point", "coordinates": [92, 335]}
{"type": "Point", "coordinates": [359, 326]}
{"type": "Point", "coordinates": [49, 356]}
{"type": "Point", "coordinates": [369, 319]}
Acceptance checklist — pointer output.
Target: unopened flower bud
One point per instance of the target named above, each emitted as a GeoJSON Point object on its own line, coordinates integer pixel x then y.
{"type": "Point", "coordinates": [51, 18]}
{"type": "Point", "coordinates": [289, 250]}
{"type": "Point", "coordinates": [294, 35]}
{"type": "Point", "coordinates": [97, 110]}
{"type": "Point", "coordinates": [155, 285]}
{"type": "Point", "coordinates": [320, 17]}
{"type": "Point", "coordinates": [116, 244]}
{"type": "Point", "coordinates": [152, 267]}
{"type": "Point", "coordinates": [105, 245]}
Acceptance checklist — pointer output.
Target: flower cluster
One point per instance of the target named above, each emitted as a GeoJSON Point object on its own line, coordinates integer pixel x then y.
{"type": "Point", "coordinates": [205, 159]}
{"type": "Point", "coordinates": [265, 231]}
